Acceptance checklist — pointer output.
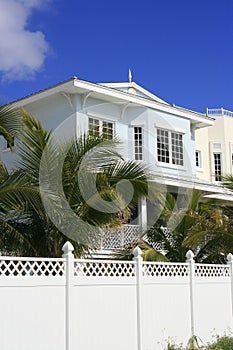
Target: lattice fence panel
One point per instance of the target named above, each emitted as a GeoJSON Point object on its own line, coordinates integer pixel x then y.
{"type": "Point", "coordinates": [165, 270]}
{"type": "Point", "coordinates": [104, 269]}
{"type": "Point", "coordinates": [23, 268]}
{"type": "Point", "coordinates": [160, 246]}
{"type": "Point", "coordinates": [155, 245]}
{"type": "Point", "coordinates": [209, 270]}
{"type": "Point", "coordinates": [121, 238]}
{"type": "Point", "coordinates": [131, 233]}
{"type": "Point", "coordinates": [111, 240]}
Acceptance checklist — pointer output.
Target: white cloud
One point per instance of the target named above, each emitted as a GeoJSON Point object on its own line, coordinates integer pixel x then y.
{"type": "Point", "coordinates": [22, 52]}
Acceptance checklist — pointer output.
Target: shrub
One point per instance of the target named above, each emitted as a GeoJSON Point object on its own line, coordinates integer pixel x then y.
{"type": "Point", "coordinates": [219, 343]}
{"type": "Point", "coordinates": [222, 343]}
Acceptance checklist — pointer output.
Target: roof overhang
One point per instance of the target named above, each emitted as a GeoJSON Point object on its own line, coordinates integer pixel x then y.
{"type": "Point", "coordinates": [209, 189]}
{"type": "Point", "coordinates": [103, 92]}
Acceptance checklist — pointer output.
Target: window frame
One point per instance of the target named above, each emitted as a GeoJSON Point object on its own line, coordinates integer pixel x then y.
{"type": "Point", "coordinates": [216, 147]}
{"type": "Point", "coordinates": [100, 123]}
{"type": "Point", "coordinates": [217, 176]}
{"type": "Point", "coordinates": [138, 156]}
{"type": "Point", "coordinates": [199, 152]}
{"type": "Point", "coordinates": [168, 151]}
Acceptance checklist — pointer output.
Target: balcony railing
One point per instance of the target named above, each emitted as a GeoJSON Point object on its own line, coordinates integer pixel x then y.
{"type": "Point", "coordinates": [219, 111]}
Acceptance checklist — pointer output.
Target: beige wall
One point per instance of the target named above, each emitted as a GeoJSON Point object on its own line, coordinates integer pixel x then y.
{"type": "Point", "coordinates": [201, 137]}
{"type": "Point", "coordinates": [220, 135]}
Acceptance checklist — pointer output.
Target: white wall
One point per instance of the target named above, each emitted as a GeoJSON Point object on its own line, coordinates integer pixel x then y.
{"type": "Point", "coordinates": [105, 304]}
{"type": "Point", "coordinates": [73, 111]}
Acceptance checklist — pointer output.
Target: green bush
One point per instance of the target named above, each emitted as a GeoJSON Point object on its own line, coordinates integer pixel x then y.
{"type": "Point", "coordinates": [222, 343]}
{"type": "Point", "coordinates": [219, 343]}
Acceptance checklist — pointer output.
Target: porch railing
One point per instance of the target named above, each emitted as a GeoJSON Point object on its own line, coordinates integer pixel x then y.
{"type": "Point", "coordinates": [122, 237]}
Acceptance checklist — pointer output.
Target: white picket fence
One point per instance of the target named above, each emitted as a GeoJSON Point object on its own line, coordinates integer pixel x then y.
{"type": "Point", "coordinates": [79, 304]}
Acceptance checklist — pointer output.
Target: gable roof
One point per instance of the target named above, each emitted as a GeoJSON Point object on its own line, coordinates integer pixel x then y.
{"type": "Point", "coordinates": [135, 89]}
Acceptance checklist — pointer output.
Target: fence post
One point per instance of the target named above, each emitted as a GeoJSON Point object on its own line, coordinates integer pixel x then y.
{"type": "Point", "coordinates": [191, 262]}
{"type": "Point", "coordinates": [138, 259]}
{"type": "Point", "coordinates": [230, 262]}
{"type": "Point", "coordinates": [69, 273]}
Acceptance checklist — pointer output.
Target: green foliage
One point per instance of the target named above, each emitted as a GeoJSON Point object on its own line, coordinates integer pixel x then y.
{"type": "Point", "coordinates": [202, 227]}
{"type": "Point", "coordinates": [148, 252]}
{"type": "Point", "coordinates": [10, 123]}
{"type": "Point", "coordinates": [25, 227]}
{"type": "Point", "coordinates": [222, 343]}
{"type": "Point", "coordinates": [219, 343]}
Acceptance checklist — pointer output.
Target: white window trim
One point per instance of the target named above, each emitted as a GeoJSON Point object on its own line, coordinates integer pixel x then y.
{"type": "Point", "coordinates": [199, 168]}
{"type": "Point", "coordinates": [221, 158]}
{"type": "Point", "coordinates": [170, 165]}
{"type": "Point", "coordinates": [103, 117]}
{"type": "Point", "coordinates": [137, 123]}
{"type": "Point", "coordinates": [138, 126]}
{"type": "Point", "coordinates": [231, 154]}
{"type": "Point", "coordinates": [161, 126]}
{"type": "Point", "coordinates": [212, 152]}
{"type": "Point", "coordinates": [101, 121]}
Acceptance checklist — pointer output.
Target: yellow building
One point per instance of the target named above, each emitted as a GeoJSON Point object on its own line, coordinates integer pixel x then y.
{"type": "Point", "coordinates": [214, 146]}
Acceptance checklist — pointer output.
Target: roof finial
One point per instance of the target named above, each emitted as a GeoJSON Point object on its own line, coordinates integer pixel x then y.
{"type": "Point", "coordinates": [130, 76]}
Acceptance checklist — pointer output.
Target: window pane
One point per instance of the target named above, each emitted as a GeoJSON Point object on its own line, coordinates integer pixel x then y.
{"type": "Point", "coordinates": [94, 127]}
{"type": "Point", "coordinates": [217, 166]}
{"type": "Point", "coordinates": [177, 148]}
{"type": "Point", "coordinates": [162, 146]}
{"type": "Point", "coordinates": [108, 130]}
{"type": "Point", "coordinates": [198, 159]}
{"type": "Point", "coordinates": [138, 143]}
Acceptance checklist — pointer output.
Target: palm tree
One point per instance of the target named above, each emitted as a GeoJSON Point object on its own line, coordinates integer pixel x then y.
{"type": "Point", "coordinates": [148, 252]}
{"type": "Point", "coordinates": [202, 227]}
{"type": "Point", "coordinates": [42, 236]}
{"type": "Point", "coordinates": [10, 122]}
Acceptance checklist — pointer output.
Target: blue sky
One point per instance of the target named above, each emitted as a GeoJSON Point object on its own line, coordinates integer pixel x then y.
{"type": "Point", "coordinates": [180, 50]}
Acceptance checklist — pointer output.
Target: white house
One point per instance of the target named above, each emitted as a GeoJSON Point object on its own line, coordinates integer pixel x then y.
{"type": "Point", "coordinates": [153, 131]}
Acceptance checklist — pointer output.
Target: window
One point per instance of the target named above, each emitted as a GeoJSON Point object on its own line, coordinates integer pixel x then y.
{"type": "Point", "coordinates": [170, 148]}
{"type": "Point", "coordinates": [198, 159]}
{"type": "Point", "coordinates": [217, 157]}
{"type": "Point", "coordinates": [94, 128]}
{"type": "Point", "coordinates": [99, 127]}
{"type": "Point", "coordinates": [231, 157]}
{"type": "Point", "coordinates": [163, 146]}
{"type": "Point", "coordinates": [217, 166]}
{"type": "Point", "coordinates": [107, 130]}
{"type": "Point", "coordinates": [138, 143]}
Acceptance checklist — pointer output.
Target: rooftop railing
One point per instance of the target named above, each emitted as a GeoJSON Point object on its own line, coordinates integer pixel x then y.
{"type": "Point", "coordinates": [219, 111]}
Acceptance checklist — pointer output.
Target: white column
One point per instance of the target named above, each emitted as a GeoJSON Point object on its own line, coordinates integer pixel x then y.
{"type": "Point", "coordinates": [230, 262]}
{"type": "Point", "coordinates": [138, 259]}
{"type": "Point", "coordinates": [191, 262]}
{"type": "Point", "coordinates": [69, 273]}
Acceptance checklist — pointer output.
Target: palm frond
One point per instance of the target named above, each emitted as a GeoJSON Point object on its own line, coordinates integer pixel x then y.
{"type": "Point", "coordinates": [10, 122]}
